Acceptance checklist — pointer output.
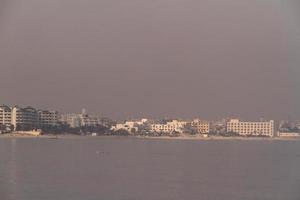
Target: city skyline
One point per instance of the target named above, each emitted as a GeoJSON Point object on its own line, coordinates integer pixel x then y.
{"type": "Point", "coordinates": [153, 59]}
{"type": "Point", "coordinates": [84, 111]}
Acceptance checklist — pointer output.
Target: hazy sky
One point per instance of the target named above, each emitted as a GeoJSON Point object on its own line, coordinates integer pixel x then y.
{"type": "Point", "coordinates": [153, 58]}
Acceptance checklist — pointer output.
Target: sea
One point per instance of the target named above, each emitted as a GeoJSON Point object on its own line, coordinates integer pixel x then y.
{"type": "Point", "coordinates": [124, 168]}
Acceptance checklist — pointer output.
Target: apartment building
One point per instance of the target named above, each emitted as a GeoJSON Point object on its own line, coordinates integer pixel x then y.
{"type": "Point", "coordinates": [79, 120]}
{"type": "Point", "coordinates": [27, 118]}
{"type": "Point", "coordinates": [24, 118]}
{"type": "Point", "coordinates": [251, 128]}
{"type": "Point", "coordinates": [201, 127]}
{"type": "Point", "coordinates": [219, 126]}
{"type": "Point", "coordinates": [88, 120]}
{"type": "Point", "coordinates": [48, 118]}
{"type": "Point", "coordinates": [5, 115]}
{"type": "Point", "coordinates": [73, 120]}
{"type": "Point", "coordinates": [169, 127]}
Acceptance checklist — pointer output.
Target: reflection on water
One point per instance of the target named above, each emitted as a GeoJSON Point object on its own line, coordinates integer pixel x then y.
{"type": "Point", "coordinates": [12, 179]}
{"type": "Point", "coordinates": [8, 167]}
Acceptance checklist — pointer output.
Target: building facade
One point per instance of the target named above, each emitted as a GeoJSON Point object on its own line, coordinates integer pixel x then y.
{"type": "Point", "coordinates": [128, 126]}
{"type": "Point", "coordinates": [24, 118]}
{"type": "Point", "coordinates": [288, 134]}
{"type": "Point", "coordinates": [87, 120]}
{"type": "Point", "coordinates": [73, 120]}
{"type": "Point", "coordinates": [169, 127]}
{"type": "Point", "coordinates": [27, 118]}
{"type": "Point", "coordinates": [131, 126]}
{"type": "Point", "coordinates": [251, 128]}
{"type": "Point", "coordinates": [5, 115]}
{"type": "Point", "coordinates": [201, 127]}
{"type": "Point", "coordinates": [48, 118]}
{"type": "Point", "coordinates": [80, 120]}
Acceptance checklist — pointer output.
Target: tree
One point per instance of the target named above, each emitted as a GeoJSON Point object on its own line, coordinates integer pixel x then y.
{"type": "Point", "coordinates": [121, 132]}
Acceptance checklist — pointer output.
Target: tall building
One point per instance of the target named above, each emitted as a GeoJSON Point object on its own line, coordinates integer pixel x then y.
{"type": "Point", "coordinates": [251, 128]}
{"type": "Point", "coordinates": [87, 120]}
{"type": "Point", "coordinates": [24, 118]}
{"type": "Point", "coordinates": [79, 120]}
{"type": "Point", "coordinates": [27, 118]}
{"type": "Point", "coordinates": [5, 115]}
{"type": "Point", "coordinates": [48, 118]}
{"type": "Point", "coordinates": [73, 120]}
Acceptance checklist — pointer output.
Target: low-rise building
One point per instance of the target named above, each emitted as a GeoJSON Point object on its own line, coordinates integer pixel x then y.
{"type": "Point", "coordinates": [201, 127]}
{"type": "Point", "coordinates": [251, 128]}
{"type": "Point", "coordinates": [169, 127]}
{"type": "Point", "coordinates": [219, 127]}
{"type": "Point", "coordinates": [288, 134]}
{"type": "Point", "coordinates": [130, 126]}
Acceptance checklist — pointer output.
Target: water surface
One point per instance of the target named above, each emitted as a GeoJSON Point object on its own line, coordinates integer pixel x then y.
{"type": "Point", "coordinates": [136, 169]}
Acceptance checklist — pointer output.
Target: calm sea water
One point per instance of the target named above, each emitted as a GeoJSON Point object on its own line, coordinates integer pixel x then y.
{"type": "Point", "coordinates": [136, 169]}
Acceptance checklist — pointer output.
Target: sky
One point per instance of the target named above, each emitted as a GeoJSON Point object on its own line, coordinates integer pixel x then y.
{"type": "Point", "coordinates": [160, 58]}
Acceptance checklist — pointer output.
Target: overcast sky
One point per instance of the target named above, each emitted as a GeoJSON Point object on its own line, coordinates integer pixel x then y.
{"type": "Point", "coordinates": [153, 58]}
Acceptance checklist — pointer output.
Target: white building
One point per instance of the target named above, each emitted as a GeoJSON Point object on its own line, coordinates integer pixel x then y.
{"type": "Point", "coordinates": [79, 120]}
{"type": "Point", "coordinates": [5, 115]}
{"type": "Point", "coordinates": [251, 128]}
{"type": "Point", "coordinates": [73, 120]}
{"type": "Point", "coordinates": [130, 126]}
{"type": "Point", "coordinates": [298, 125]}
{"type": "Point", "coordinates": [169, 127]}
{"type": "Point", "coordinates": [87, 120]}
{"type": "Point", "coordinates": [202, 127]}
{"type": "Point", "coordinates": [288, 134]}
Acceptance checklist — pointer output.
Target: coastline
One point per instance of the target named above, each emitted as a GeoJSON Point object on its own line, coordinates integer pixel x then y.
{"type": "Point", "coordinates": [196, 138]}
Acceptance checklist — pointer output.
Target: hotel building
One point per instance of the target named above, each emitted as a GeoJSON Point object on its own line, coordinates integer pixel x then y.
{"type": "Point", "coordinates": [201, 127]}
{"type": "Point", "coordinates": [169, 127]}
{"type": "Point", "coordinates": [27, 118]}
{"type": "Point", "coordinates": [251, 128]}
{"type": "Point", "coordinates": [24, 118]}
{"type": "Point", "coordinates": [73, 120]}
{"type": "Point", "coordinates": [87, 120]}
{"type": "Point", "coordinates": [79, 120]}
{"type": "Point", "coordinates": [48, 118]}
{"type": "Point", "coordinates": [5, 115]}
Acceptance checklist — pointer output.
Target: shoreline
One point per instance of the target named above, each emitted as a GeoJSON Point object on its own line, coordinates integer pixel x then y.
{"type": "Point", "coordinates": [196, 138]}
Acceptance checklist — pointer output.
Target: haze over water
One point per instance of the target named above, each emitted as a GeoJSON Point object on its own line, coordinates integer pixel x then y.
{"type": "Point", "coordinates": [128, 169]}
{"type": "Point", "coordinates": [154, 59]}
